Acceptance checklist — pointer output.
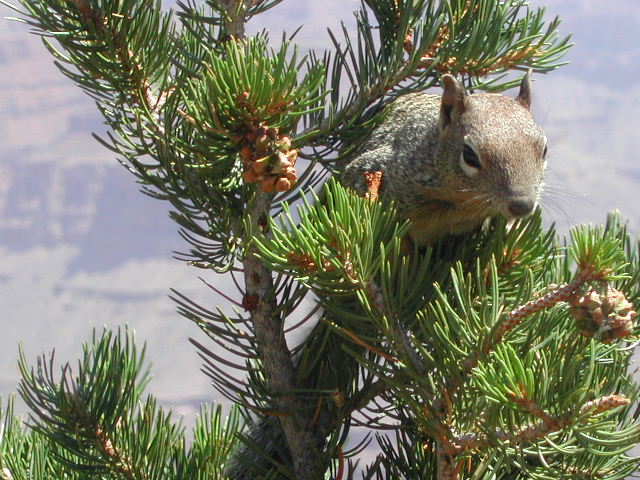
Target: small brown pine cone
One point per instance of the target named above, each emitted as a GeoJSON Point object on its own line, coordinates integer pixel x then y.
{"type": "Point", "coordinates": [279, 163]}
{"type": "Point", "coordinates": [290, 173]}
{"type": "Point", "coordinates": [604, 317]}
{"type": "Point", "coordinates": [291, 176]}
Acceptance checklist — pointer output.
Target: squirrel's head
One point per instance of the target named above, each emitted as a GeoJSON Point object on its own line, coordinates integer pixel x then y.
{"type": "Point", "coordinates": [494, 148]}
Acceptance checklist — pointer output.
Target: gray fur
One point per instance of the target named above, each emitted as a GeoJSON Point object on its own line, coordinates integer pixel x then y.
{"type": "Point", "coordinates": [419, 145]}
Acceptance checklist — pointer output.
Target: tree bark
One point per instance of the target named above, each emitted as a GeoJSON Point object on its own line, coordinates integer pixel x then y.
{"type": "Point", "coordinates": [305, 445]}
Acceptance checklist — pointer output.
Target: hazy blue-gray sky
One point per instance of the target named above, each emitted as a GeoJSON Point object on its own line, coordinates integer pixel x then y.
{"type": "Point", "coordinates": [80, 247]}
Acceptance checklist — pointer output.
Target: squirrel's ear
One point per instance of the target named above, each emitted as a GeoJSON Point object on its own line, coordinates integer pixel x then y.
{"type": "Point", "coordinates": [524, 95]}
{"type": "Point", "coordinates": [452, 104]}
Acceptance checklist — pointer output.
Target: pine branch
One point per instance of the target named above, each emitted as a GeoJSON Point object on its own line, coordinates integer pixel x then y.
{"type": "Point", "coordinates": [410, 44]}
{"type": "Point", "coordinates": [397, 332]}
{"type": "Point", "coordinates": [91, 413]}
{"type": "Point", "coordinates": [94, 423]}
{"type": "Point", "coordinates": [305, 446]}
{"type": "Point", "coordinates": [207, 119]}
{"type": "Point", "coordinates": [516, 316]}
{"type": "Point", "coordinates": [234, 17]}
{"type": "Point", "coordinates": [548, 424]}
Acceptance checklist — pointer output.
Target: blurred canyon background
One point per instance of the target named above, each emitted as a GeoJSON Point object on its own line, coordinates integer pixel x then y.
{"type": "Point", "coordinates": [80, 247]}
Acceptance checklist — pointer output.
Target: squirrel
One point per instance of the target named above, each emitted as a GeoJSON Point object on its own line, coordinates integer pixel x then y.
{"type": "Point", "coordinates": [451, 161]}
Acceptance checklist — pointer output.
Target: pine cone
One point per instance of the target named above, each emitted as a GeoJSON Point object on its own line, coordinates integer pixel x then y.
{"type": "Point", "coordinates": [603, 317]}
{"type": "Point", "coordinates": [268, 158]}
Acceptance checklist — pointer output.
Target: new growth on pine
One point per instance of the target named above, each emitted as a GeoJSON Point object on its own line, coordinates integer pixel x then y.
{"type": "Point", "coordinates": [503, 353]}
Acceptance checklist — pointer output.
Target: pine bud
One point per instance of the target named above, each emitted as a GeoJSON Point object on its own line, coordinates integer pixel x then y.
{"type": "Point", "coordinates": [604, 404]}
{"type": "Point", "coordinates": [283, 184]}
{"type": "Point", "coordinates": [272, 133]}
{"type": "Point", "coordinates": [262, 143]}
{"type": "Point", "coordinates": [292, 155]}
{"type": "Point", "coordinates": [250, 176]}
{"type": "Point", "coordinates": [284, 143]}
{"type": "Point", "coordinates": [269, 184]}
{"type": "Point", "coordinates": [262, 165]}
{"type": "Point", "coordinates": [246, 154]}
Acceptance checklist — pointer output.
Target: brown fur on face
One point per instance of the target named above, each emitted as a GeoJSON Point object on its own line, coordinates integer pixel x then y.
{"type": "Point", "coordinates": [423, 149]}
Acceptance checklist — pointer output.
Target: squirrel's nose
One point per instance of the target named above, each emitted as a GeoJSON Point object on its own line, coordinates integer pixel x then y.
{"type": "Point", "coordinates": [521, 206]}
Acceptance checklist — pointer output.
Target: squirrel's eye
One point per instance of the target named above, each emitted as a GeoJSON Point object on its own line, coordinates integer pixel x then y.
{"type": "Point", "coordinates": [544, 152]}
{"type": "Point", "coordinates": [470, 157]}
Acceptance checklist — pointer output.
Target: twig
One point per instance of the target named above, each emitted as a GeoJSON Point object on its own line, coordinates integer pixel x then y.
{"type": "Point", "coordinates": [234, 23]}
{"type": "Point", "coordinates": [374, 390]}
{"type": "Point", "coordinates": [547, 425]}
{"type": "Point", "coordinates": [359, 341]}
{"type": "Point", "coordinates": [517, 315]}
{"type": "Point", "coordinates": [399, 335]}
{"type": "Point", "coordinates": [121, 463]}
{"type": "Point", "coordinates": [446, 465]}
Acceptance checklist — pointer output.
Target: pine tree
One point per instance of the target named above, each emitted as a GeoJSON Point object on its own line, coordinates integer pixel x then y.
{"type": "Point", "coordinates": [500, 355]}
